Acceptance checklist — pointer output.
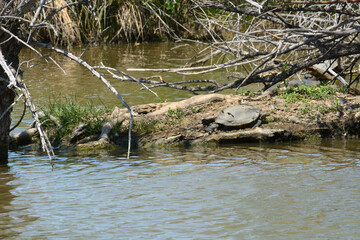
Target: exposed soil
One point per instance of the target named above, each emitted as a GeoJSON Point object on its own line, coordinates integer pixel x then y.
{"type": "Point", "coordinates": [337, 116]}
{"type": "Point", "coordinates": [181, 123]}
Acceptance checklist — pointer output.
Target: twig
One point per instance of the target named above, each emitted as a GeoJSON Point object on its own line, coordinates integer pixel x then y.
{"type": "Point", "coordinates": [21, 41]}
{"type": "Point", "coordinates": [45, 142]}
{"type": "Point", "coordinates": [22, 115]}
{"type": "Point", "coordinates": [318, 2]}
{"type": "Point", "coordinates": [37, 13]}
{"type": "Point", "coordinates": [98, 75]}
{"type": "Point", "coordinates": [204, 69]}
{"type": "Point", "coordinates": [127, 75]}
{"type": "Point", "coordinates": [58, 65]}
{"type": "Point", "coordinates": [10, 107]}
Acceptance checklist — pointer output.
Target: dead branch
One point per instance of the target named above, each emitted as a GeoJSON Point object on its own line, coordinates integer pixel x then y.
{"type": "Point", "coordinates": [285, 37]}
{"type": "Point", "coordinates": [11, 40]}
{"type": "Point", "coordinates": [176, 85]}
{"type": "Point", "coordinates": [128, 76]}
{"type": "Point", "coordinates": [45, 142]}
{"type": "Point", "coordinates": [98, 75]}
{"type": "Point", "coordinates": [117, 116]}
{"type": "Point", "coordinates": [318, 2]}
{"type": "Point", "coordinates": [23, 113]}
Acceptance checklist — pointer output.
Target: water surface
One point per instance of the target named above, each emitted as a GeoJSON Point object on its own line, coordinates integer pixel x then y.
{"type": "Point", "coordinates": [299, 190]}
{"type": "Point", "coordinates": [257, 191]}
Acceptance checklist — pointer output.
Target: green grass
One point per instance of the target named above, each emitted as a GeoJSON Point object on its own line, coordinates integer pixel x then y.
{"type": "Point", "coordinates": [323, 109]}
{"type": "Point", "coordinates": [304, 93]}
{"type": "Point", "coordinates": [145, 126]}
{"type": "Point", "coordinates": [177, 114]}
{"type": "Point", "coordinates": [196, 109]}
{"type": "Point", "coordinates": [246, 93]}
{"type": "Point", "coordinates": [69, 115]}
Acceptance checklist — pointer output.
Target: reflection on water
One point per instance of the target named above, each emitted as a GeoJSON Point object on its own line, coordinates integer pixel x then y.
{"type": "Point", "coordinates": [46, 80]}
{"type": "Point", "coordinates": [254, 191]}
{"type": "Point", "coordinates": [7, 225]}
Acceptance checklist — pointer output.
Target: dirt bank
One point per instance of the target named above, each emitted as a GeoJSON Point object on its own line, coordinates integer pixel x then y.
{"type": "Point", "coordinates": [282, 120]}
{"type": "Point", "coordinates": [283, 117]}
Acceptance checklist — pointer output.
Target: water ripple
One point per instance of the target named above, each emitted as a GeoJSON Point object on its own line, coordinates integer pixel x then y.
{"type": "Point", "coordinates": [252, 191]}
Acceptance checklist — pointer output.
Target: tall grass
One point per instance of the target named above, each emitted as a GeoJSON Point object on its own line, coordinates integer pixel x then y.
{"type": "Point", "coordinates": [112, 21]}
{"type": "Point", "coordinates": [62, 116]}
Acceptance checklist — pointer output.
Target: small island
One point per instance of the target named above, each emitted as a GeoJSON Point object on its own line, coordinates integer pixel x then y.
{"type": "Point", "coordinates": [287, 114]}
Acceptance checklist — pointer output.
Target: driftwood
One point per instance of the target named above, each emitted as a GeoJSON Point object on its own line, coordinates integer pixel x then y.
{"type": "Point", "coordinates": [23, 138]}
{"type": "Point", "coordinates": [193, 101]}
{"type": "Point", "coordinates": [159, 109]}
{"type": "Point", "coordinates": [12, 40]}
{"type": "Point", "coordinates": [326, 70]}
{"type": "Point", "coordinates": [76, 134]}
{"type": "Point", "coordinates": [103, 139]}
{"type": "Point", "coordinates": [244, 135]}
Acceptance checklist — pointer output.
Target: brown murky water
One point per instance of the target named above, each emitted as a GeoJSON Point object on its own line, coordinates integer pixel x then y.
{"type": "Point", "coordinates": [249, 191]}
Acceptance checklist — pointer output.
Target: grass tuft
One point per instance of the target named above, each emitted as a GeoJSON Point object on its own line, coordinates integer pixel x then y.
{"type": "Point", "coordinates": [177, 114]}
{"type": "Point", "coordinates": [62, 117]}
{"type": "Point", "coordinates": [304, 93]}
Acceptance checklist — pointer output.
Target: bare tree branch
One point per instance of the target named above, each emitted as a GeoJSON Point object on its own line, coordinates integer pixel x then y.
{"type": "Point", "coordinates": [271, 41]}
{"type": "Point", "coordinates": [98, 75]}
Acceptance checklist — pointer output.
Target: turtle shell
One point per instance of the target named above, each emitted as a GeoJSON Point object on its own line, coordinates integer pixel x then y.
{"type": "Point", "coordinates": [238, 116]}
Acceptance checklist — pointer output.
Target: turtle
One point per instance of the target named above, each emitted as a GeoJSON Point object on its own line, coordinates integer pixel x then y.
{"type": "Point", "coordinates": [239, 116]}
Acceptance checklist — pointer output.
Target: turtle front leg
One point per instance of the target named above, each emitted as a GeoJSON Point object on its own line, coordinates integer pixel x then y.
{"type": "Point", "coordinates": [258, 123]}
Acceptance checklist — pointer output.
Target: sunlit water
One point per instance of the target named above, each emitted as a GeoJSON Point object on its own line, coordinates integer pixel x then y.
{"type": "Point", "coordinates": [258, 191]}
{"type": "Point", "coordinates": [296, 190]}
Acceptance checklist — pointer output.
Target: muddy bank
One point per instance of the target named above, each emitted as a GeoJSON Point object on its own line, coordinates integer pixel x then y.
{"type": "Point", "coordinates": [182, 123]}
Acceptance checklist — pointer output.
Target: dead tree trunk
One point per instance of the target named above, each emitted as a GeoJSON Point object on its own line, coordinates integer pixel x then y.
{"type": "Point", "coordinates": [6, 98]}
{"type": "Point", "coordinates": [9, 49]}
{"type": "Point", "coordinates": [17, 31]}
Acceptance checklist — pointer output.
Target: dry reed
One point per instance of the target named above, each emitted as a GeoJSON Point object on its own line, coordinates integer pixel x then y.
{"type": "Point", "coordinates": [124, 21]}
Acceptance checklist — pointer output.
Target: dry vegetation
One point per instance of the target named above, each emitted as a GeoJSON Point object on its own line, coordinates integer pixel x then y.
{"type": "Point", "coordinates": [268, 42]}
{"type": "Point", "coordinates": [265, 42]}
{"type": "Point", "coordinates": [115, 21]}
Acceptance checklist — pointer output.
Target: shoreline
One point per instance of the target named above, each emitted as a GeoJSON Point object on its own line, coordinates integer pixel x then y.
{"type": "Point", "coordinates": [180, 123]}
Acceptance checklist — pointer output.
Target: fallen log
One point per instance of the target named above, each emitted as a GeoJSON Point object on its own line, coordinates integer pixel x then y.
{"type": "Point", "coordinates": [104, 138]}
{"type": "Point", "coordinates": [193, 101]}
{"type": "Point", "coordinates": [23, 138]}
{"type": "Point", "coordinates": [326, 70]}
